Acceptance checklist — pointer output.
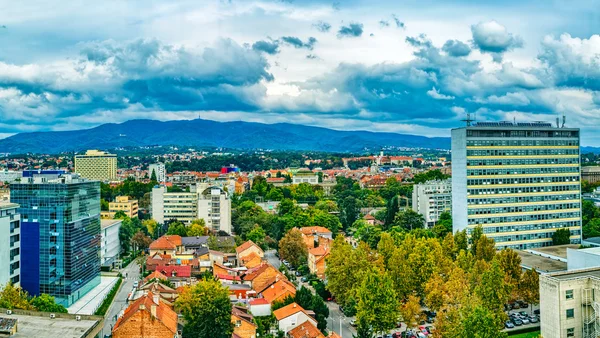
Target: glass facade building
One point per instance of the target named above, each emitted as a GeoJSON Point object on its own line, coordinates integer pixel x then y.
{"type": "Point", "coordinates": [519, 181]}
{"type": "Point", "coordinates": [60, 234]}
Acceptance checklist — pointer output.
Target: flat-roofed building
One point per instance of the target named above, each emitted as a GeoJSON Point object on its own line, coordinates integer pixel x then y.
{"type": "Point", "coordinates": [431, 199]}
{"type": "Point", "coordinates": [110, 247]}
{"type": "Point", "coordinates": [97, 165]}
{"type": "Point", "coordinates": [570, 304]}
{"type": "Point", "coordinates": [10, 244]}
{"type": "Point", "coordinates": [519, 181]}
{"type": "Point", "coordinates": [121, 203]}
{"type": "Point", "coordinates": [590, 174]}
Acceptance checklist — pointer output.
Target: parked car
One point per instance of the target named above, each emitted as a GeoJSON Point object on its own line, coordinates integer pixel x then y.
{"type": "Point", "coordinates": [517, 322]}
{"type": "Point", "coordinates": [136, 284]}
{"type": "Point", "coordinates": [430, 320]}
{"type": "Point", "coordinates": [536, 312]}
{"type": "Point", "coordinates": [509, 325]}
{"type": "Point", "coordinates": [525, 320]}
{"type": "Point", "coordinates": [304, 279]}
{"type": "Point", "coordinates": [353, 323]}
{"type": "Point", "coordinates": [533, 319]}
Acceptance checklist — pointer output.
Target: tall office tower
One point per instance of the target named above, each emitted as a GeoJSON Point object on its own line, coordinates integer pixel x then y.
{"type": "Point", "coordinates": [96, 165]}
{"type": "Point", "coordinates": [431, 199]}
{"type": "Point", "coordinates": [60, 234]}
{"type": "Point", "coordinates": [10, 244]}
{"type": "Point", "coordinates": [159, 170]}
{"type": "Point", "coordinates": [519, 181]}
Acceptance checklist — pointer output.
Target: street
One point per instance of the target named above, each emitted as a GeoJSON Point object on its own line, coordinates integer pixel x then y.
{"type": "Point", "coordinates": [120, 301]}
{"type": "Point", "coordinates": [272, 259]}
{"type": "Point", "coordinates": [333, 322]}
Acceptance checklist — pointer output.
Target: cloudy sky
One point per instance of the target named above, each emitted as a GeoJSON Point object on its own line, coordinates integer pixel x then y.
{"type": "Point", "coordinates": [410, 66]}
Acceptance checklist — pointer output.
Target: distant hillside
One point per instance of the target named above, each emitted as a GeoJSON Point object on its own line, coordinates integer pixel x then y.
{"type": "Point", "coordinates": [205, 133]}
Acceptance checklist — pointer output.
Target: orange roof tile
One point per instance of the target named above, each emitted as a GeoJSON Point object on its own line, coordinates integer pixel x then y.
{"type": "Point", "coordinates": [157, 275]}
{"type": "Point", "coordinates": [314, 229]}
{"type": "Point", "coordinates": [279, 290]}
{"type": "Point", "coordinates": [166, 242]}
{"type": "Point", "coordinates": [288, 310]}
{"type": "Point", "coordinates": [245, 246]}
{"type": "Point", "coordinates": [305, 330]}
{"type": "Point", "coordinates": [164, 313]}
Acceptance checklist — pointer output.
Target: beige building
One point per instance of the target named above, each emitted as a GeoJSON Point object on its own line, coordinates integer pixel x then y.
{"type": "Point", "coordinates": [590, 174]}
{"type": "Point", "coordinates": [121, 203]}
{"type": "Point", "coordinates": [97, 165]}
{"type": "Point", "coordinates": [568, 304]}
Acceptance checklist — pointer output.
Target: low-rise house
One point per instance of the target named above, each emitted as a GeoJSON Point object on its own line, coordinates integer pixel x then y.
{"type": "Point", "coordinates": [167, 245]}
{"type": "Point", "coordinates": [251, 260]}
{"type": "Point", "coordinates": [147, 317]}
{"type": "Point", "coordinates": [166, 293]}
{"type": "Point", "coordinates": [261, 276]}
{"type": "Point", "coordinates": [259, 307]}
{"type": "Point", "coordinates": [152, 261]}
{"type": "Point", "coordinates": [243, 325]}
{"type": "Point", "coordinates": [179, 275]}
{"type": "Point", "coordinates": [316, 260]}
{"type": "Point", "coordinates": [246, 248]}
{"type": "Point", "coordinates": [279, 291]}
{"type": "Point", "coordinates": [306, 330]}
{"type": "Point", "coordinates": [292, 315]}
{"type": "Point", "coordinates": [155, 275]}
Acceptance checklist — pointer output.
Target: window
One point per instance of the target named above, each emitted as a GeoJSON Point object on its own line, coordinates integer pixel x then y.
{"type": "Point", "coordinates": [569, 294]}
{"type": "Point", "coordinates": [238, 323]}
{"type": "Point", "coordinates": [571, 332]}
{"type": "Point", "coordinates": [570, 313]}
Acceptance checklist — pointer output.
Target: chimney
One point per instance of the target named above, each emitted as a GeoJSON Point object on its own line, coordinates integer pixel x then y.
{"type": "Point", "coordinates": [153, 310]}
{"type": "Point", "coordinates": [156, 299]}
{"type": "Point", "coordinates": [294, 305]}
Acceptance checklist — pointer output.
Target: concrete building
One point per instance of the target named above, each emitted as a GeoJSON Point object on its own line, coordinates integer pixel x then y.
{"type": "Point", "coordinates": [97, 165]}
{"type": "Point", "coordinates": [10, 244]}
{"type": "Point", "coordinates": [159, 170]}
{"type": "Point", "coordinates": [60, 231]}
{"type": "Point", "coordinates": [121, 203]}
{"type": "Point", "coordinates": [568, 305]}
{"type": "Point", "coordinates": [10, 176]}
{"type": "Point", "coordinates": [590, 174]}
{"type": "Point", "coordinates": [520, 181]}
{"type": "Point", "coordinates": [305, 176]}
{"type": "Point", "coordinates": [5, 194]}
{"type": "Point", "coordinates": [431, 199]}
{"type": "Point", "coordinates": [110, 247]}
{"type": "Point", "coordinates": [211, 204]}
{"type": "Point", "coordinates": [578, 259]}
{"type": "Point", "coordinates": [28, 324]}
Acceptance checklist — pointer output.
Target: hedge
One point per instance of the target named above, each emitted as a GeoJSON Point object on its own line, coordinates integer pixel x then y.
{"type": "Point", "coordinates": [109, 299]}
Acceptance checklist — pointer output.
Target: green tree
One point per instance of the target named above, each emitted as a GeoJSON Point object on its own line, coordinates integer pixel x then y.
{"type": "Point", "coordinates": [12, 297]}
{"type": "Point", "coordinates": [561, 236]}
{"type": "Point", "coordinates": [292, 248]}
{"type": "Point", "coordinates": [177, 228]}
{"type": "Point", "coordinates": [461, 240]}
{"type": "Point", "coordinates": [206, 309]}
{"type": "Point", "coordinates": [377, 302]}
{"type": "Point", "coordinates": [409, 219]}
{"type": "Point", "coordinates": [140, 241]}
{"type": "Point", "coordinates": [486, 248]}
{"type": "Point", "coordinates": [480, 322]}
{"type": "Point", "coordinates": [197, 228]}
{"type": "Point", "coordinates": [153, 176]}
{"type": "Point", "coordinates": [529, 288]}
{"type": "Point", "coordinates": [349, 211]}
{"type": "Point", "coordinates": [592, 228]}
{"type": "Point", "coordinates": [257, 235]}
{"type": "Point", "coordinates": [391, 211]}
{"type": "Point", "coordinates": [151, 227]}
{"type": "Point", "coordinates": [411, 311]}
{"type": "Point", "coordinates": [493, 290]}
{"type": "Point", "coordinates": [46, 303]}
{"type": "Point", "coordinates": [104, 206]}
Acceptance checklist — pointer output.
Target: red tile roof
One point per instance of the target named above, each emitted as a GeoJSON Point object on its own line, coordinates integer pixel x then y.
{"type": "Point", "coordinates": [169, 242]}
{"type": "Point", "coordinates": [306, 330]}
{"type": "Point", "coordinates": [245, 246]}
{"type": "Point", "coordinates": [258, 301]}
{"type": "Point", "coordinates": [164, 313]}
{"type": "Point", "coordinates": [182, 271]}
{"type": "Point", "coordinates": [314, 229]}
{"type": "Point", "coordinates": [157, 275]}
{"type": "Point", "coordinates": [288, 310]}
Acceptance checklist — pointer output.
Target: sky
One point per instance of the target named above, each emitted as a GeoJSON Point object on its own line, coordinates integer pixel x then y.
{"type": "Point", "coordinates": [410, 66]}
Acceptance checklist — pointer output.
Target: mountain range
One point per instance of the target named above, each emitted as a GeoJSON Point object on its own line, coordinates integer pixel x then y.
{"type": "Point", "coordinates": [212, 134]}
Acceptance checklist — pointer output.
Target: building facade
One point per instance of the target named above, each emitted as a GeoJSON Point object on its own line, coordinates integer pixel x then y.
{"type": "Point", "coordinates": [110, 247]}
{"type": "Point", "coordinates": [159, 170]}
{"type": "Point", "coordinates": [431, 199]}
{"type": "Point", "coordinates": [590, 174]}
{"type": "Point", "coordinates": [305, 176]}
{"type": "Point", "coordinates": [569, 306]}
{"type": "Point", "coordinates": [211, 204]}
{"type": "Point", "coordinates": [60, 227]}
{"type": "Point", "coordinates": [97, 165]}
{"type": "Point", "coordinates": [121, 203]}
{"type": "Point", "coordinates": [519, 181]}
{"type": "Point", "coordinates": [10, 244]}
{"type": "Point", "coordinates": [10, 176]}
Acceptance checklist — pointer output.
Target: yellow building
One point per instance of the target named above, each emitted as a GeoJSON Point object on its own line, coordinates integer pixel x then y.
{"type": "Point", "coordinates": [97, 165]}
{"type": "Point", "coordinates": [121, 203]}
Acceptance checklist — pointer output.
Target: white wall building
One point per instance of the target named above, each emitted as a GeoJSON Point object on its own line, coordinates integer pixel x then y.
{"type": "Point", "coordinates": [160, 172]}
{"type": "Point", "coordinates": [110, 246]}
{"type": "Point", "coordinates": [569, 306]}
{"type": "Point", "coordinates": [305, 176]}
{"type": "Point", "coordinates": [209, 203]}
{"type": "Point", "coordinates": [10, 176]}
{"type": "Point", "coordinates": [10, 244]}
{"type": "Point", "coordinates": [583, 258]}
{"type": "Point", "coordinates": [431, 199]}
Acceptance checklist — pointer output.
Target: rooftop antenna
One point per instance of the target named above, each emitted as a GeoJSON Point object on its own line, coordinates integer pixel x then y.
{"type": "Point", "coordinates": [515, 120]}
{"type": "Point", "coordinates": [468, 120]}
{"type": "Point", "coordinates": [558, 122]}
{"type": "Point", "coordinates": [564, 120]}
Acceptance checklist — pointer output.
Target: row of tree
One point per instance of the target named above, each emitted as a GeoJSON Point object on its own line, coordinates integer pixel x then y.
{"type": "Point", "coordinates": [12, 297]}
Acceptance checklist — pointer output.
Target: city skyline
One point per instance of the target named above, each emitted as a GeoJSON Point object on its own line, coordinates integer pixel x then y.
{"type": "Point", "coordinates": [413, 68]}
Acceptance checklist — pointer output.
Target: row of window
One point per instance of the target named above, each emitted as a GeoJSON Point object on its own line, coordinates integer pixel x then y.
{"type": "Point", "coordinates": [527, 237]}
{"type": "Point", "coordinates": [521, 161]}
{"type": "Point", "coordinates": [521, 199]}
{"type": "Point", "coordinates": [523, 171]}
{"type": "Point", "coordinates": [523, 133]}
{"type": "Point", "coordinates": [528, 227]}
{"type": "Point", "coordinates": [522, 180]}
{"type": "Point", "coordinates": [521, 190]}
{"type": "Point", "coordinates": [517, 143]}
{"type": "Point", "coordinates": [524, 218]}
{"type": "Point", "coordinates": [521, 152]}
{"type": "Point", "coordinates": [525, 208]}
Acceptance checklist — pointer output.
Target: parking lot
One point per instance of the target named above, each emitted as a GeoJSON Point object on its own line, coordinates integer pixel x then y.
{"type": "Point", "coordinates": [523, 318]}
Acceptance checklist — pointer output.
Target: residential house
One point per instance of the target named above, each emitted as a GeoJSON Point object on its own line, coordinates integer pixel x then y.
{"type": "Point", "coordinates": [155, 275]}
{"type": "Point", "coordinates": [291, 316]}
{"type": "Point", "coordinates": [157, 259]}
{"type": "Point", "coordinates": [259, 307]}
{"type": "Point", "coordinates": [261, 276]}
{"type": "Point", "coordinates": [179, 275]}
{"type": "Point", "coordinates": [147, 317]}
{"type": "Point", "coordinates": [278, 291]}
{"type": "Point", "coordinates": [243, 326]}
{"type": "Point", "coordinates": [166, 293]}
{"type": "Point", "coordinates": [167, 245]}
{"type": "Point", "coordinates": [251, 260]}
{"type": "Point", "coordinates": [316, 260]}
{"type": "Point", "coordinates": [305, 330]}
{"type": "Point", "coordinates": [246, 248]}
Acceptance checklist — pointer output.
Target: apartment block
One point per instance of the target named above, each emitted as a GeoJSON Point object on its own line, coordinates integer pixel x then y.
{"type": "Point", "coordinates": [519, 181]}
{"type": "Point", "coordinates": [570, 304]}
{"type": "Point", "coordinates": [431, 199]}
{"type": "Point", "coordinates": [10, 244]}
{"type": "Point", "coordinates": [60, 229]}
{"type": "Point", "coordinates": [96, 165]}
{"type": "Point", "coordinates": [121, 203]}
{"type": "Point", "coordinates": [159, 170]}
{"type": "Point", "coordinates": [110, 247]}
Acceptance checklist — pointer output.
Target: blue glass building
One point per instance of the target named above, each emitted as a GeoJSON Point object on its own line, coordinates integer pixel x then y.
{"type": "Point", "coordinates": [60, 234]}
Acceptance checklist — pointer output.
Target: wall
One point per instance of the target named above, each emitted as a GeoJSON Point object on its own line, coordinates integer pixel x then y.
{"type": "Point", "coordinates": [459, 179]}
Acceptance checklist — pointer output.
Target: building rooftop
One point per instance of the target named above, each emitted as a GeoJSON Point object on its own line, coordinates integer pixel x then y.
{"type": "Point", "coordinates": [541, 264]}
{"type": "Point", "coordinates": [557, 250]}
{"type": "Point", "coordinates": [107, 223]}
{"type": "Point", "coordinates": [575, 274]}
{"type": "Point", "coordinates": [6, 205]}
{"type": "Point", "coordinates": [44, 327]}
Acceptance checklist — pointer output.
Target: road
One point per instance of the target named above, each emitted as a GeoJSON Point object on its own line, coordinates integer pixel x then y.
{"type": "Point", "coordinates": [120, 301]}
{"type": "Point", "coordinates": [333, 322]}
{"type": "Point", "coordinates": [272, 259]}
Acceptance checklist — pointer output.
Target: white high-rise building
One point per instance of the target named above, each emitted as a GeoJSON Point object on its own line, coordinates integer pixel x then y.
{"type": "Point", "coordinates": [209, 203]}
{"type": "Point", "coordinates": [159, 170]}
{"type": "Point", "coordinates": [10, 244]}
{"type": "Point", "coordinates": [519, 181]}
{"type": "Point", "coordinates": [431, 199]}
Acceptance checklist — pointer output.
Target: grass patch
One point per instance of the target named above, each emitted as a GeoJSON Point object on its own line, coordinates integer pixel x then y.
{"type": "Point", "coordinates": [533, 334]}
{"type": "Point", "coordinates": [108, 300]}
